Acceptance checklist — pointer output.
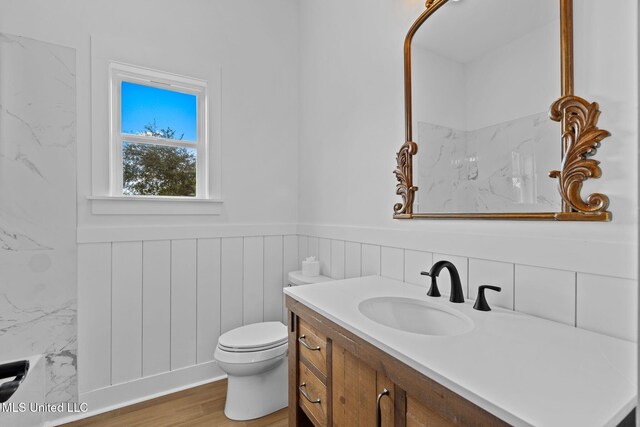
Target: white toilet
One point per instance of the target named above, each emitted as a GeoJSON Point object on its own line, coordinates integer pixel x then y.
{"type": "Point", "coordinates": [255, 360]}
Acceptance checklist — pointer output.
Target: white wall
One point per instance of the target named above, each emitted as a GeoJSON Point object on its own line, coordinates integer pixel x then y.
{"type": "Point", "coordinates": [347, 188]}
{"type": "Point", "coordinates": [346, 168]}
{"type": "Point", "coordinates": [255, 44]}
{"type": "Point", "coordinates": [329, 74]}
{"type": "Point", "coordinates": [123, 259]}
{"type": "Point", "coordinates": [515, 80]}
{"type": "Point", "coordinates": [511, 81]}
{"type": "Point", "coordinates": [439, 88]}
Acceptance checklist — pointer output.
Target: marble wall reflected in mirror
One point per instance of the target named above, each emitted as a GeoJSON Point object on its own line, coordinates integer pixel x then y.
{"type": "Point", "coordinates": [483, 77]}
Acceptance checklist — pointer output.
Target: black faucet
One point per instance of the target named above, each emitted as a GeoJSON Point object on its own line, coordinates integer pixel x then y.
{"type": "Point", "coordinates": [456, 286]}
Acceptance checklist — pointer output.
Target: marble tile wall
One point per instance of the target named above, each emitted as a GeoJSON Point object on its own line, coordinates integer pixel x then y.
{"type": "Point", "coordinates": [500, 168]}
{"type": "Point", "coordinates": [38, 209]}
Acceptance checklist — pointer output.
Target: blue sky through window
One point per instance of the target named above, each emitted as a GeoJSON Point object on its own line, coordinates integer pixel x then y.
{"type": "Point", "coordinates": [141, 105]}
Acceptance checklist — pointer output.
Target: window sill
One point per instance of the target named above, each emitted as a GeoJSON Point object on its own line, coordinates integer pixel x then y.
{"type": "Point", "coordinates": [149, 205]}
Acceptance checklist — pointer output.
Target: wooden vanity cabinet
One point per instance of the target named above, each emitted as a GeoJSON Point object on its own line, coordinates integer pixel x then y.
{"type": "Point", "coordinates": [337, 379]}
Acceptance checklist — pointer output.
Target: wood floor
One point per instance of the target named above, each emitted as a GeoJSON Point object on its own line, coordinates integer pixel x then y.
{"type": "Point", "coordinates": [199, 406]}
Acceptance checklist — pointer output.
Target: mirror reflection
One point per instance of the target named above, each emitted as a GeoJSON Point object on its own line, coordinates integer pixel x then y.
{"type": "Point", "coordinates": [484, 74]}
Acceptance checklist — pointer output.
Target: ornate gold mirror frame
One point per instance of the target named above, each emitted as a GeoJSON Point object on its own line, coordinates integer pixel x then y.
{"type": "Point", "coordinates": [580, 140]}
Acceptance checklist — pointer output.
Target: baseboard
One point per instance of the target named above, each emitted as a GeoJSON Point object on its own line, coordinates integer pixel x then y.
{"type": "Point", "coordinates": [126, 394]}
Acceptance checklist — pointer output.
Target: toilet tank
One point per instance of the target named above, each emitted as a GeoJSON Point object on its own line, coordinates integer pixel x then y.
{"type": "Point", "coordinates": [296, 278]}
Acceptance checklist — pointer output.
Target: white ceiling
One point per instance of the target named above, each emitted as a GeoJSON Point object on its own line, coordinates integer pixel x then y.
{"type": "Point", "coordinates": [467, 29]}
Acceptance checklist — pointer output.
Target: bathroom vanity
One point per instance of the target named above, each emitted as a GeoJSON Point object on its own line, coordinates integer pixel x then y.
{"type": "Point", "coordinates": [359, 356]}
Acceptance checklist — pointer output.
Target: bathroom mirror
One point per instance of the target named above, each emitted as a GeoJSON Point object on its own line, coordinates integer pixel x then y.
{"type": "Point", "coordinates": [493, 128]}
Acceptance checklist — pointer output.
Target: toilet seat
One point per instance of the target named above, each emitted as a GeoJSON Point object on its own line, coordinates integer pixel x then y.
{"type": "Point", "coordinates": [254, 338]}
{"type": "Point", "coordinates": [250, 349]}
{"type": "Point", "coordinates": [249, 357]}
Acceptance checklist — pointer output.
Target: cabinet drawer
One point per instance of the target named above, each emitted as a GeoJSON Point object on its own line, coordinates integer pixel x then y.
{"type": "Point", "coordinates": [312, 396]}
{"type": "Point", "coordinates": [312, 346]}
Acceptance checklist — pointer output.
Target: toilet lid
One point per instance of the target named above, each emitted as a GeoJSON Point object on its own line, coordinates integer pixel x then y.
{"type": "Point", "coordinates": [254, 337]}
{"type": "Point", "coordinates": [296, 278]}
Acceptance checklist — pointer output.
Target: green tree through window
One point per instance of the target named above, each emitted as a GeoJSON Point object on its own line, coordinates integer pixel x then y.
{"type": "Point", "coordinates": [157, 170]}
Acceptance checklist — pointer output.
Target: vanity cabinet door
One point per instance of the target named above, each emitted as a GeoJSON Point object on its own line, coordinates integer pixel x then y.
{"type": "Point", "coordinates": [386, 400]}
{"type": "Point", "coordinates": [344, 391]}
{"type": "Point", "coordinates": [419, 415]}
{"type": "Point", "coordinates": [355, 389]}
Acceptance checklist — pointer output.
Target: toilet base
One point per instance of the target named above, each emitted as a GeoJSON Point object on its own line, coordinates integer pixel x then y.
{"type": "Point", "coordinates": [255, 396]}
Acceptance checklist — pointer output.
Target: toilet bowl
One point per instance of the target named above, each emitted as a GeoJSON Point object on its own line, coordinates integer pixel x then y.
{"type": "Point", "coordinates": [254, 358]}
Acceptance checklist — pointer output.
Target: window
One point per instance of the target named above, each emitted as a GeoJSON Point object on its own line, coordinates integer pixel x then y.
{"type": "Point", "coordinates": [158, 134]}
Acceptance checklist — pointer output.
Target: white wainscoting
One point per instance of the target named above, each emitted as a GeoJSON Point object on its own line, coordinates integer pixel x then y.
{"type": "Point", "coordinates": [151, 308]}
{"type": "Point", "coordinates": [603, 304]}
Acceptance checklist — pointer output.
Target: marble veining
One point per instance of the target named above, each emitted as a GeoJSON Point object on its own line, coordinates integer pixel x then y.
{"type": "Point", "coordinates": [499, 168]}
{"type": "Point", "coordinates": [38, 209]}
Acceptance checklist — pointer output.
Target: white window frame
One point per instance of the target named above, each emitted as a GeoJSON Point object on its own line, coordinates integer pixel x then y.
{"type": "Point", "coordinates": [119, 72]}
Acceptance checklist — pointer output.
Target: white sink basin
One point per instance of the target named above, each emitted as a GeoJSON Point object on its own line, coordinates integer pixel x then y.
{"type": "Point", "coordinates": [416, 316]}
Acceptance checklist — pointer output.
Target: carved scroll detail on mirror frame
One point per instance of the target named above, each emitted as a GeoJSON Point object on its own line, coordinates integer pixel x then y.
{"type": "Point", "coordinates": [580, 140]}
{"type": "Point", "coordinates": [404, 174]}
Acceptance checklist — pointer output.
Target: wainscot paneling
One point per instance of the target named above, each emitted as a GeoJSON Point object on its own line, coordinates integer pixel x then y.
{"type": "Point", "coordinates": [183, 303]}
{"type": "Point", "coordinates": [303, 248]}
{"type": "Point", "coordinates": [604, 304]}
{"type": "Point", "coordinates": [177, 232]}
{"type": "Point", "coordinates": [290, 261]}
{"type": "Point", "coordinates": [151, 309]}
{"type": "Point", "coordinates": [392, 263]}
{"type": "Point", "coordinates": [252, 280]}
{"type": "Point", "coordinates": [273, 277]}
{"type": "Point", "coordinates": [352, 260]}
{"type": "Point", "coordinates": [232, 269]}
{"type": "Point", "coordinates": [324, 255]}
{"type": "Point", "coordinates": [547, 293]}
{"type": "Point", "coordinates": [126, 311]}
{"type": "Point", "coordinates": [156, 307]}
{"type": "Point", "coordinates": [612, 312]}
{"type": "Point", "coordinates": [313, 247]}
{"type": "Point", "coordinates": [594, 254]}
{"type": "Point", "coordinates": [483, 272]}
{"type": "Point", "coordinates": [208, 301]}
{"type": "Point", "coordinates": [414, 263]}
{"type": "Point", "coordinates": [337, 259]}
{"type": "Point", "coordinates": [370, 260]}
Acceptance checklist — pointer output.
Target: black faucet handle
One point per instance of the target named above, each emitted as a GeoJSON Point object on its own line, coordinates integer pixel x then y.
{"type": "Point", "coordinates": [433, 289]}
{"type": "Point", "coordinates": [481, 301]}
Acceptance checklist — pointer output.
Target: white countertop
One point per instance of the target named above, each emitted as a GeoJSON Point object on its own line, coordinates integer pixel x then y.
{"type": "Point", "coordinates": [525, 370]}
